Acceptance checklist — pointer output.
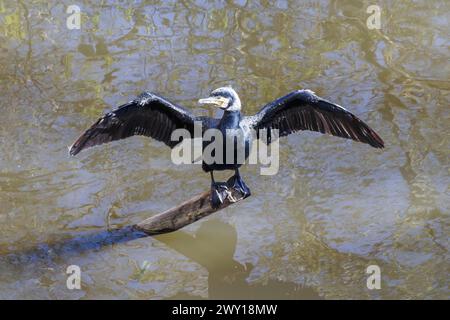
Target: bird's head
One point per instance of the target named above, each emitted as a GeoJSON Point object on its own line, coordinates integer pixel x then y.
{"type": "Point", "coordinates": [225, 98]}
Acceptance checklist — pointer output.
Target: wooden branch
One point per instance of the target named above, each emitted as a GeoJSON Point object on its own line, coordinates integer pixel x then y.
{"type": "Point", "coordinates": [187, 212]}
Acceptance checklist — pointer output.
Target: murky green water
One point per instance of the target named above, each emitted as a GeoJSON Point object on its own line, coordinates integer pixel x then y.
{"type": "Point", "coordinates": [334, 208]}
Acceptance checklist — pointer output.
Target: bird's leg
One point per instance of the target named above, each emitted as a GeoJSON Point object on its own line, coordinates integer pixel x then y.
{"type": "Point", "coordinates": [237, 183]}
{"type": "Point", "coordinates": [219, 191]}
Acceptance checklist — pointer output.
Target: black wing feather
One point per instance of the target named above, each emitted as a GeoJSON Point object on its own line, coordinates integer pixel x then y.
{"type": "Point", "coordinates": [148, 115]}
{"type": "Point", "coordinates": [303, 110]}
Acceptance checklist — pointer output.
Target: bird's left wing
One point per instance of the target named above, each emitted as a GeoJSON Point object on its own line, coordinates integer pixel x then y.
{"type": "Point", "coordinates": [149, 115]}
{"type": "Point", "coordinates": [303, 110]}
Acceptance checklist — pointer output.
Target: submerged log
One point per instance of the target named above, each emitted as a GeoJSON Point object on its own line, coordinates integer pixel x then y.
{"type": "Point", "coordinates": [188, 212]}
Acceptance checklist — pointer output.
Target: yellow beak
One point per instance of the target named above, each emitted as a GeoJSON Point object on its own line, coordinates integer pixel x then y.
{"type": "Point", "coordinates": [220, 102]}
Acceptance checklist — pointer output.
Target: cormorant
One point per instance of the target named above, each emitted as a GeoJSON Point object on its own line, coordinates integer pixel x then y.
{"type": "Point", "coordinates": [154, 116]}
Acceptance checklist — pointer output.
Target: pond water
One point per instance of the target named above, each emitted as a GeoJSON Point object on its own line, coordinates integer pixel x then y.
{"type": "Point", "coordinates": [334, 208]}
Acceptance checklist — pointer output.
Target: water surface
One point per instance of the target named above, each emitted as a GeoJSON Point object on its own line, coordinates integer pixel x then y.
{"type": "Point", "coordinates": [334, 208]}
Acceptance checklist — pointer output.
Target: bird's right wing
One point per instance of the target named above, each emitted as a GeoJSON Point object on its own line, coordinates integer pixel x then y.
{"type": "Point", "coordinates": [149, 115]}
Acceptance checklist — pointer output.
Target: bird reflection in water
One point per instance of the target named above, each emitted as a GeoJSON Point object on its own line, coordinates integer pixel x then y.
{"type": "Point", "coordinates": [226, 276]}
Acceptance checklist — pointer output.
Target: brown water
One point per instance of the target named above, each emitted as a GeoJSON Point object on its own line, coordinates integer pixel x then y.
{"type": "Point", "coordinates": [334, 208]}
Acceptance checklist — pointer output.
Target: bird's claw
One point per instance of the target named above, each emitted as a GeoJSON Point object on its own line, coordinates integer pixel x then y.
{"type": "Point", "coordinates": [238, 184]}
{"type": "Point", "coordinates": [219, 192]}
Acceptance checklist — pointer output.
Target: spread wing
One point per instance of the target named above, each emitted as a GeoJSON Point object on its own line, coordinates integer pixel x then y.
{"type": "Point", "coordinates": [148, 115]}
{"type": "Point", "coordinates": [303, 110]}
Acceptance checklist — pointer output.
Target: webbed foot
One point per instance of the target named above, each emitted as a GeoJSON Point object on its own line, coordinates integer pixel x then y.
{"type": "Point", "coordinates": [219, 192]}
{"type": "Point", "coordinates": [238, 184]}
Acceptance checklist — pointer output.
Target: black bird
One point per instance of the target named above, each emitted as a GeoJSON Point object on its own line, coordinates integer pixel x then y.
{"type": "Point", "coordinates": [154, 116]}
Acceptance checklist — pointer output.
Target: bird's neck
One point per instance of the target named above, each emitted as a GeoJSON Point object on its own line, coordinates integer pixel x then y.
{"type": "Point", "coordinates": [231, 118]}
